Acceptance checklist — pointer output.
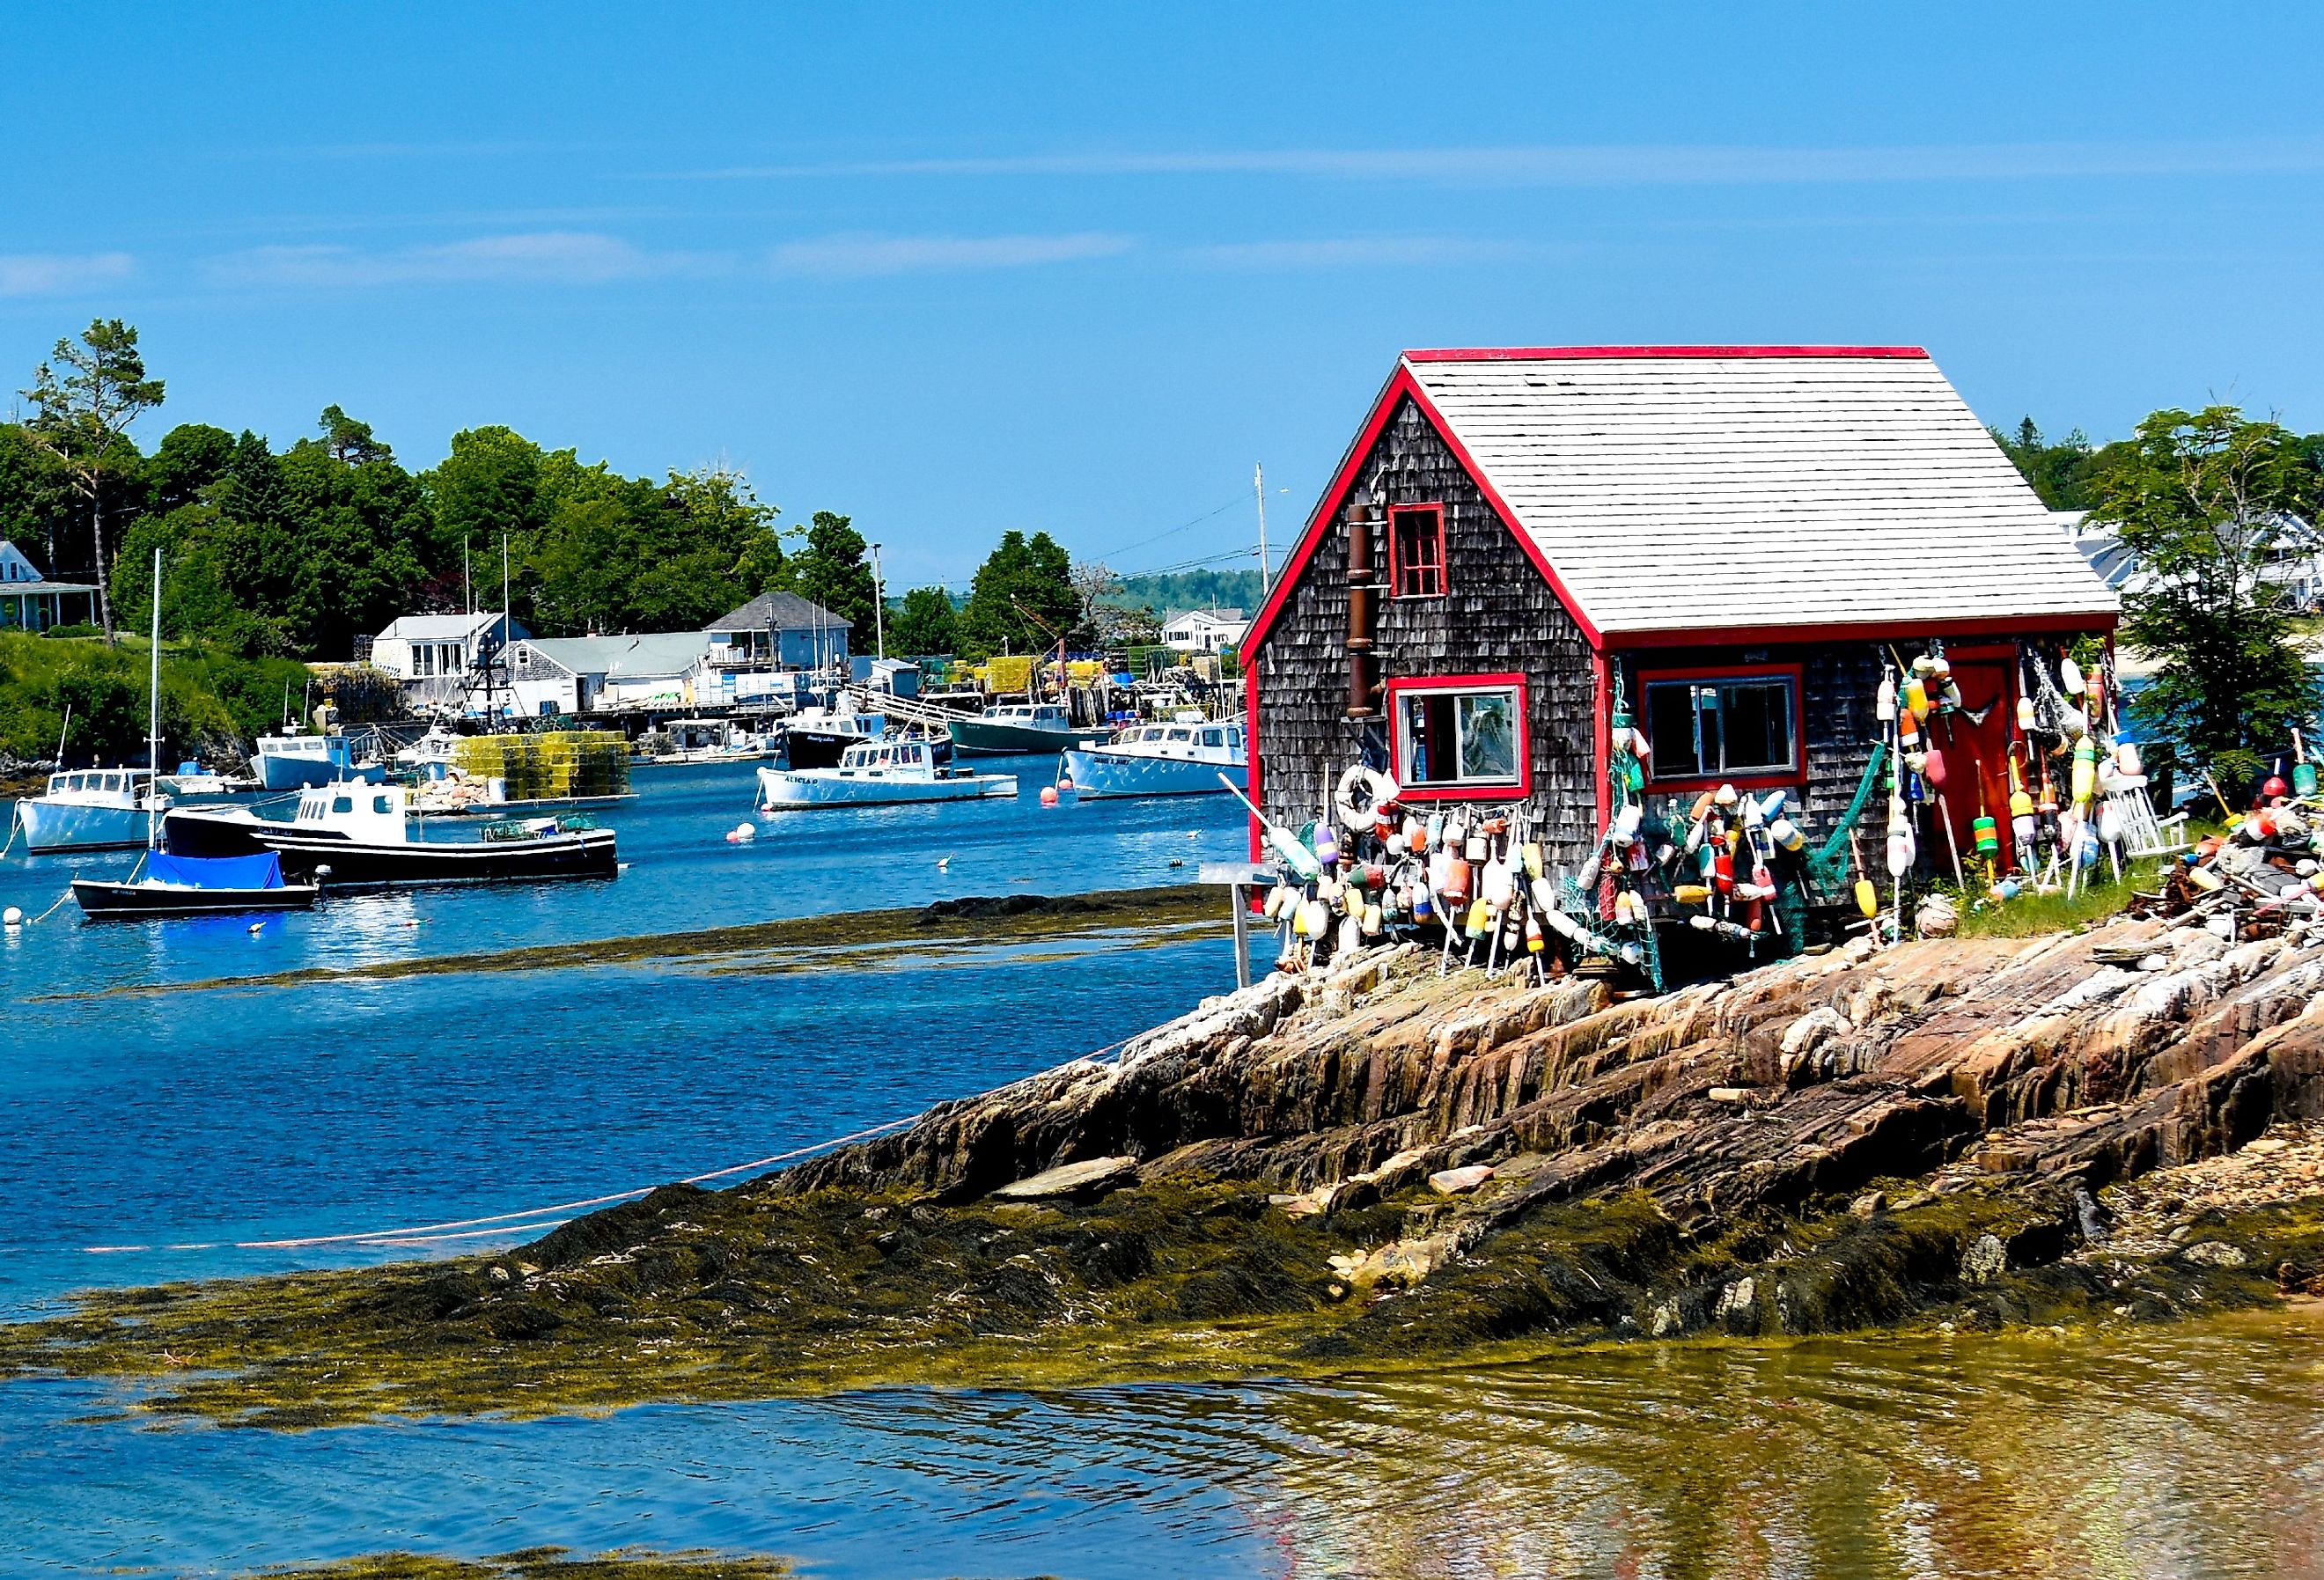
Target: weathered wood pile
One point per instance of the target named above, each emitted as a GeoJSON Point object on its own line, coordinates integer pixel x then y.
{"type": "Point", "coordinates": [2084, 1059]}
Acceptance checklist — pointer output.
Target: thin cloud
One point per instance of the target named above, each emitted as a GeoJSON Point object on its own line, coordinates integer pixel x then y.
{"type": "Point", "coordinates": [1354, 253]}
{"type": "Point", "coordinates": [558, 257]}
{"type": "Point", "coordinates": [853, 256]}
{"type": "Point", "coordinates": [50, 273]}
{"type": "Point", "coordinates": [1615, 166]}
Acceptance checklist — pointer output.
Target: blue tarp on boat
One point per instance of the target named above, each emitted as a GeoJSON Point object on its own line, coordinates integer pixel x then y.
{"type": "Point", "coordinates": [223, 872]}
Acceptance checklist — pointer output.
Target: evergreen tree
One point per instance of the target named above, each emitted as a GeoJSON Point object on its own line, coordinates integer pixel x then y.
{"type": "Point", "coordinates": [923, 623]}
{"type": "Point", "coordinates": [1023, 598]}
{"type": "Point", "coordinates": [832, 570]}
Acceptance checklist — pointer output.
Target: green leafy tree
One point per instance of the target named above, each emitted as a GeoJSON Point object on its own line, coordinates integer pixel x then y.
{"type": "Point", "coordinates": [2061, 473]}
{"type": "Point", "coordinates": [35, 498]}
{"type": "Point", "coordinates": [830, 570]}
{"type": "Point", "coordinates": [187, 465]}
{"type": "Point", "coordinates": [923, 623]}
{"type": "Point", "coordinates": [492, 484]}
{"type": "Point", "coordinates": [2201, 498]}
{"type": "Point", "coordinates": [1022, 599]}
{"type": "Point", "coordinates": [83, 401]}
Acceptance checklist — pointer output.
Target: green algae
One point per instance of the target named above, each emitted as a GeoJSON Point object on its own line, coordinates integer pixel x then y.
{"type": "Point", "coordinates": [540, 1564]}
{"type": "Point", "coordinates": [754, 1293]}
{"type": "Point", "coordinates": [1180, 911]}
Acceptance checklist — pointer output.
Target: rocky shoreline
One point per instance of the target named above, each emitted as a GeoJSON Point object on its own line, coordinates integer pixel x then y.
{"type": "Point", "coordinates": [1381, 1166]}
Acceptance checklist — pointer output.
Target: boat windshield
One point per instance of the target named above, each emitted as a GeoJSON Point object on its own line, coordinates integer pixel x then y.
{"type": "Point", "coordinates": [1182, 735]}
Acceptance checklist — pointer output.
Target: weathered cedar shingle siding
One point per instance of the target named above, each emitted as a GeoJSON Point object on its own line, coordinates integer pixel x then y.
{"type": "Point", "coordinates": [1500, 615]}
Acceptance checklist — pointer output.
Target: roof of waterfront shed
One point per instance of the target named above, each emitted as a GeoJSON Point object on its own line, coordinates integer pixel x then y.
{"type": "Point", "coordinates": [650, 655]}
{"type": "Point", "coordinates": [1676, 492]}
{"type": "Point", "coordinates": [782, 612]}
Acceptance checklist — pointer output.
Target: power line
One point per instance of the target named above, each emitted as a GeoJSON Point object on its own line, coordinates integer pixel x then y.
{"type": "Point", "coordinates": [1174, 532]}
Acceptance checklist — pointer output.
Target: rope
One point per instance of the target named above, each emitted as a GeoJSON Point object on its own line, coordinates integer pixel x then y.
{"type": "Point", "coordinates": [51, 909]}
{"type": "Point", "coordinates": [534, 1218]}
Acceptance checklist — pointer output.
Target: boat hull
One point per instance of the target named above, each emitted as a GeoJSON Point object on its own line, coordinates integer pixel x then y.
{"type": "Point", "coordinates": [68, 825]}
{"type": "Point", "coordinates": [356, 865]}
{"type": "Point", "coordinates": [211, 832]}
{"type": "Point", "coordinates": [985, 737]}
{"type": "Point", "coordinates": [813, 748]}
{"type": "Point", "coordinates": [296, 772]}
{"type": "Point", "coordinates": [101, 901]}
{"type": "Point", "coordinates": [1101, 773]}
{"type": "Point", "coordinates": [781, 790]}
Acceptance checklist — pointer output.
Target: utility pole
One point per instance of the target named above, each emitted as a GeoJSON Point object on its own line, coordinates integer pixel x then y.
{"type": "Point", "coordinates": [879, 606]}
{"type": "Point", "coordinates": [467, 582]}
{"type": "Point", "coordinates": [1259, 486]}
{"type": "Point", "coordinates": [504, 623]}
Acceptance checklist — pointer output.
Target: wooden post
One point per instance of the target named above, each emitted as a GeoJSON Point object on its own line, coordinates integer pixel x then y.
{"type": "Point", "coordinates": [1241, 900]}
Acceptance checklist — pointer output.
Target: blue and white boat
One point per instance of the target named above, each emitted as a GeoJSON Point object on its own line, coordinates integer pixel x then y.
{"type": "Point", "coordinates": [91, 809]}
{"type": "Point", "coordinates": [877, 773]}
{"type": "Point", "coordinates": [1160, 760]}
{"type": "Point", "coordinates": [289, 762]}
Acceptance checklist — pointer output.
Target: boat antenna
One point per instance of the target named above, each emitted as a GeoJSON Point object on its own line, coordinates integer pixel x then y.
{"type": "Point", "coordinates": [467, 582]}
{"type": "Point", "coordinates": [154, 714]}
{"type": "Point", "coordinates": [61, 734]}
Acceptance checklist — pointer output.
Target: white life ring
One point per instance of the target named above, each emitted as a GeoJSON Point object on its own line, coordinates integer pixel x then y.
{"type": "Point", "coordinates": [1378, 789]}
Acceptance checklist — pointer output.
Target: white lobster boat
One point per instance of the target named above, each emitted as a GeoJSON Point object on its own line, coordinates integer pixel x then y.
{"type": "Point", "coordinates": [1161, 760]}
{"type": "Point", "coordinates": [877, 773]}
{"type": "Point", "coordinates": [91, 809]}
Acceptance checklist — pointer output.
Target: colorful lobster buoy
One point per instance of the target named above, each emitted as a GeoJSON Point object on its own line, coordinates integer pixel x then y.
{"type": "Point", "coordinates": [2070, 677]}
{"type": "Point", "coordinates": [1884, 701]}
{"type": "Point", "coordinates": [1931, 768]}
{"type": "Point", "coordinates": [1916, 699]}
{"type": "Point", "coordinates": [1986, 835]}
{"type": "Point", "coordinates": [2025, 719]}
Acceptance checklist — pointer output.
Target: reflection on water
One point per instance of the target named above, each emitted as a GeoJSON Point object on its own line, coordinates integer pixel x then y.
{"type": "Point", "coordinates": [2166, 1452]}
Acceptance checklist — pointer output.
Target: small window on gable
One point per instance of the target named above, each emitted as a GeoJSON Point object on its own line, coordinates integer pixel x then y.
{"type": "Point", "coordinates": [1417, 550]}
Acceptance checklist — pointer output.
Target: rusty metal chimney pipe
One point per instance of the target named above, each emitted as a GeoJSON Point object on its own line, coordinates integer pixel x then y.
{"type": "Point", "coordinates": [1360, 611]}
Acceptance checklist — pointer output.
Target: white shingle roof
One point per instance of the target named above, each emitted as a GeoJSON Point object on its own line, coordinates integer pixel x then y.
{"type": "Point", "coordinates": [1705, 488]}
{"type": "Point", "coordinates": [438, 627]}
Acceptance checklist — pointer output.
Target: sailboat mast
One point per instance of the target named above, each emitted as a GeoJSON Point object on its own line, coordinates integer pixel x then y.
{"type": "Point", "coordinates": [1259, 486]}
{"type": "Point", "coordinates": [154, 714]}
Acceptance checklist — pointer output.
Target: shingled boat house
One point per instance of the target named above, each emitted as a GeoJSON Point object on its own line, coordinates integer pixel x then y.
{"type": "Point", "coordinates": [1734, 541]}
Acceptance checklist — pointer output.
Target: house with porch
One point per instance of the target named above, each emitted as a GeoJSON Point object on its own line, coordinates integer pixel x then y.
{"type": "Point", "coordinates": [778, 631]}
{"type": "Point", "coordinates": [30, 601]}
{"type": "Point", "coordinates": [1731, 543]}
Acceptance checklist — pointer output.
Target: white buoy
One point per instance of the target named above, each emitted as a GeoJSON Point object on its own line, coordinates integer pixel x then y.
{"type": "Point", "coordinates": [13, 917]}
{"type": "Point", "coordinates": [741, 833]}
{"type": "Point", "coordinates": [257, 928]}
{"type": "Point", "coordinates": [943, 862]}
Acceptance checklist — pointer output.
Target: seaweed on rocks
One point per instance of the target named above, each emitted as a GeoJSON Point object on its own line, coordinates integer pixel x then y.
{"type": "Point", "coordinates": [1375, 1168]}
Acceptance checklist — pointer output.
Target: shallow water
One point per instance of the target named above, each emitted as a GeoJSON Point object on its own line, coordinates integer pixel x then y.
{"type": "Point", "coordinates": [2168, 1451]}
{"type": "Point", "coordinates": [196, 1119]}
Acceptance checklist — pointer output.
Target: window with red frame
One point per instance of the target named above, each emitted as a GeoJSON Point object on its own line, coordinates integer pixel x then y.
{"type": "Point", "coordinates": [1416, 551]}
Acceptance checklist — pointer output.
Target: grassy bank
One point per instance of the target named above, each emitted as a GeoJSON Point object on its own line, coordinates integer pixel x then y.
{"type": "Point", "coordinates": [210, 699]}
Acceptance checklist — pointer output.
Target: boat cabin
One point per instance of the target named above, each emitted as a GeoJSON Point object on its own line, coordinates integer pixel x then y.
{"type": "Point", "coordinates": [369, 813]}
{"type": "Point", "coordinates": [100, 787]}
{"type": "Point", "coordinates": [887, 759]}
{"type": "Point", "coordinates": [1040, 715]}
{"type": "Point", "coordinates": [1210, 742]}
{"type": "Point", "coordinates": [1725, 545]}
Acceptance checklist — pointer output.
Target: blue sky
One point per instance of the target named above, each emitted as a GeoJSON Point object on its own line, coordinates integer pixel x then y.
{"type": "Point", "coordinates": [956, 269]}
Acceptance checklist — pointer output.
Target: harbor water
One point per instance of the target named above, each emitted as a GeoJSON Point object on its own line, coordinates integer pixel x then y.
{"type": "Point", "coordinates": [145, 1135]}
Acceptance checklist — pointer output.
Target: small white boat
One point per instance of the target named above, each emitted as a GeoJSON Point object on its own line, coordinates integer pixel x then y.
{"type": "Point", "coordinates": [877, 773]}
{"type": "Point", "coordinates": [91, 809]}
{"type": "Point", "coordinates": [1160, 760]}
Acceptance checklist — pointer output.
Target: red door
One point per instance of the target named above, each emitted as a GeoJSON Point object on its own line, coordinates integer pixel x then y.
{"type": "Point", "coordinates": [1975, 737]}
